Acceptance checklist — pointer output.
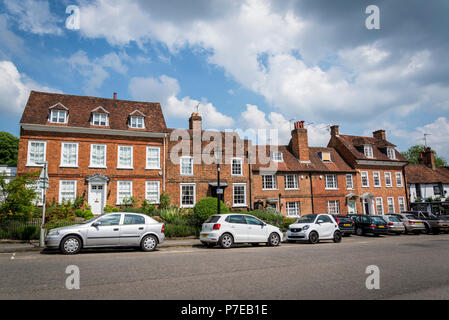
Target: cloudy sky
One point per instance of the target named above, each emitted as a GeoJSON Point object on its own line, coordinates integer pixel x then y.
{"type": "Point", "coordinates": [251, 64]}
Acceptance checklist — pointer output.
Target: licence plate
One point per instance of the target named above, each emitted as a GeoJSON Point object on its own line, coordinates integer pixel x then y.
{"type": "Point", "coordinates": [381, 226]}
{"type": "Point", "coordinates": [346, 225]}
{"type": "Point", "coordinates": [419, 223]}
{"type": "Point", "coordinates": [204, 235]}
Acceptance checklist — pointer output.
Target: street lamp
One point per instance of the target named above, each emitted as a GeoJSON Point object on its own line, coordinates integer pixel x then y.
{"type": "Point", "coordinates": [217, 155]}
{"type": "Point", "coordinates": [44, 180]}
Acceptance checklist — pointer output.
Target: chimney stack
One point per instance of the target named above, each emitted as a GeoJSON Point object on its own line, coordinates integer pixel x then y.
{"type": "Point", "coordinates": [195, 122]}
{"type": "Point", "coordinates": [300, 142]}
{"type": "Point", "coordinates": [335, 131]}
{"type": "Point", "coordinates": [115, 95]}
{"type": "Point", "coordinates": [380, 134]}
{"type": "Point", "coordinates": [427, 158]}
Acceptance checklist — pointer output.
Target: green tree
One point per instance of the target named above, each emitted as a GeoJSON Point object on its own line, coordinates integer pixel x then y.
{"type": "Point", "coordinates": [206, 207]}
{"type": "Point", "coordinates": [412, 155]}
{"type": "Point", "coordinates": [16, 199]}
{"type": "Point", "coordinates": [9, 147]}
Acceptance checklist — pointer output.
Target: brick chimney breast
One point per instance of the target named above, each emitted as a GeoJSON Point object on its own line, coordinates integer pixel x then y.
{"type": "Point", "coordinates": [427, 158]}
{"type": "Point", "coordinates": [300, 142]}
{"type": "Point", "coordinates": [335, 130]}
{"type": "Point", "coordinates": [115, 95]}
{"type": "Point", "coordinates": [195, 122]}
{"type": "Point", "coordinates": [380, 134]}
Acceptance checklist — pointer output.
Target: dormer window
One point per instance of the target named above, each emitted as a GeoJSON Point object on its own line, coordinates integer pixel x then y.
{"type": "Point", "coordinates": [390, 153]}
{"type": "Point", "coordinates": [100, 119]}
{"type": "Point", "coordinates": [368, 150]}
{"type": "Point", "coordinates": [276, 156]}
{"type": "Point", "coordinates": [137, 120]}
{"type": "Point", "coordinates": [58, 116]}
{"type": "Point", "coordinates": [325, 156]}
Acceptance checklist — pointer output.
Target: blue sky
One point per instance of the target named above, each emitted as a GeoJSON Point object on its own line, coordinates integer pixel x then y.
{"type": "Point", "coordinates": [251, 64]}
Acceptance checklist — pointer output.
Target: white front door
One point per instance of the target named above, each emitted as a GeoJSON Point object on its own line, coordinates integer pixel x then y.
{"type": "Point", "coordinates": [352, 208]}
{"type": "Point", "coordinates": [96, 198]}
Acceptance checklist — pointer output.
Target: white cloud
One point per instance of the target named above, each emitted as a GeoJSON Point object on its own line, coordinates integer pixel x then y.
{"type": "Point", "coordinates": [34, 16]}
{"type": "Point", "coordinates": [255, 119]}
{"type": "Point", "coordinates": [15, 88]}
{"type": "Point", "coordinates": [10, 41]}
{"type": "Point", "coordinates": [439, 136]}
{"type": "Point", "coordinates": [95, 70]}
{"type": "Point", "coordinates": [165, 90]}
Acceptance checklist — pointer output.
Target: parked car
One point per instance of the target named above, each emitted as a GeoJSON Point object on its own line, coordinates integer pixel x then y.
{"type": "Point", "coordinates": [411, 223]}
{"type": "Point", "coordinates": [432, 223]}
{"type": "Point", "coordinates": [395, 225]}
{"type": "Point", "coordinates": [345, 224]}
{"type": "Point", "coordinates": [120, 229]}
{"type": "Point", "coordinates": [227, 229]}
{"type": "Point", "coordinates": [314, 227]}
{"type": "Point", "coordinates": [369, 224]}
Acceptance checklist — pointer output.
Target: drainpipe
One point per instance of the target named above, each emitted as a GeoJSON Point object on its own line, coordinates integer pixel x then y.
{"type": "Point", "coordinates": [250, 183]}
{"type": "Point", "coordinates": [311, 191]}
{"type": "Point", "coordinates": [163, 174]}
{"type": "Point", "coordinates": [405, 187]}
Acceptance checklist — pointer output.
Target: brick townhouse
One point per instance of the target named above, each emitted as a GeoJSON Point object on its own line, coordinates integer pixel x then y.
{"type": "Point", "coordinates": [428, 185]}
{"type": "Point", "coordinates": [305, 180]}
{"type": "Point", "coordinates": [106, 150]}
{"type": "Point", "coordinates": [379, 167]}
{"type": "Point", "coordinates": [192, 166]}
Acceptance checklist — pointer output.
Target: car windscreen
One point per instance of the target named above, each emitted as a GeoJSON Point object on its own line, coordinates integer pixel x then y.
{"type": "Point", "coordinates": [410, 216]}
{"type": "Point", "coordinates": [310, 218]}
{"type": "Point", "coordinates": [394, 219]}
{"type": "Point", "coordinates": [212, 219]}
{"type": "Point", "coordinates": [344, 219]}
{"type": "Point", "coordinates": [378, 220]}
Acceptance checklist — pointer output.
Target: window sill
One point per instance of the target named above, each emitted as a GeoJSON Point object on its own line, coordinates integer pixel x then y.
{"type": "Point", "coordinates": [377, 186]}
{"type": "Point", "coordinates": [287, 189]}
{"type": "Point", "coordinates": [90, 167]}
{"type": "Point", "coordinates": [270, 189]}
{"type": "Point", "coordinates": [236, 175]}
{"type": "Point", "coordinates": [189, 206]}
{"type": "Point", "coordinates": [239, 205]}
{"type": "Point", "coordinates": [152, 168]}
{"type": "Point", "coordinates": [125, 168]}
{"type": "Point", "coordinates": [186, 175]}
{"type": "Point", "coordinates": [34, 165]}
{"type": "Point", "coordinates": [73, 167]}
{"type": "Point", "coordinates": [331, 189]}
{"type": "Point", "coordinates": [365, 186]}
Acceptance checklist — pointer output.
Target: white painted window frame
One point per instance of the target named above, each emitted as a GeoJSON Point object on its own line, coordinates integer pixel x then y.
{"type": "Point", "coordinates": [381, 204]}
{"type": "Point", "coordinates": [362, 173]}
{"type": "Point", "coordinates": [120, 166]}
{"type": "Point", "coordinates": [181, 164]}
{"type": "Point", "coordinates": [99, 120]}
{"type": "Point", "coordinates": [240, 160]}
{"type": "Point", "coordinates": [158, 167]}
{"type": "Point", "coordinates": [234, 204]}
{"type": "Point", "coordinates": [390, 185]}
{"type": "Point", "coordinates": [396, 175]}
{"type": "Point", "coordinates": [32, 164]}
{"type": "Point", "coordinates": [297, 208]}
{"type": "Point", "coordinates": [60, 189]}
{"type": "Point", "coordinates": [388, 204]}
{"type": "Point", "coordinates": [180, 195]}
{"type": "Point", "coordinates": [352, 181]}
{"type": "Point", "coordinates": [65, 165]}
{"type": "Point", "coordinates": [66, 116]}
{"type": "Point", "coordinates": [147, 183]}
{"type": "Point", "coordinates": [119, 202]}
{"type": "Point", "coordinates": [368, 151]}
{"type": "Point", "coordinates": [374, 181]}
{"type": "Point", "coordinates": [137, 122]}
{"type": "Point", "coordinates": [296, 187]}
{"type": "Point", "coordinates": [274, 182]}
{"type": "Point", "coordinates": [335, 180]}
{"type": "Point", "coordinates": [91, 165]}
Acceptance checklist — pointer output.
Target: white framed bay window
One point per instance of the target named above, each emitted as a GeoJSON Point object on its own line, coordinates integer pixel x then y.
{"type": "Point", "coordinates": [124, 191]}
{"type": "Point", "coordinates": [153, 158]}
{"type": "Point", "coordinates": [69, 154]}
{"type": "Point", "coordinates": [152, 191]}
{"type": "Point", "coordinates": [125, 157]}
{"type": "Point", "coordinates": [36, 152]}
{"type": "Point", "coordinates": [97, 156]}
{"type": "Point", "coordinates": [67, 191]}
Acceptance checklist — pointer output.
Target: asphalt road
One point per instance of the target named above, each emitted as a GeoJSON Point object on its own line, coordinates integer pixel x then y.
{"type": "Point", "coordinates": [411, 267]}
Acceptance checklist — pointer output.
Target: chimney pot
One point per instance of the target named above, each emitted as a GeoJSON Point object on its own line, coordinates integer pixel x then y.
{"type": "Point", "coordinates": [115, 95]}
{"type": "Point", "coordinates": [335, 131]}
{"type": "Point", "coordinates": [427, 158]}
{"type": "Point", "coordinates": [195, 122]}
{"type": "Point", "coordinates": [380, 134]}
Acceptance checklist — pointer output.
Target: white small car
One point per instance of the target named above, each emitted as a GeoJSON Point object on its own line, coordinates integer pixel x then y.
{"type": "Point", "coordinates": [227, 229]}
{"type": "Point", "coordinates": [314, 227]}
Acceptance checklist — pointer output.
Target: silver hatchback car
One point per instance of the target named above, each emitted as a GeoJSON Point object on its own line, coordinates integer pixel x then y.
{"type": "Point", "coordinates": [118, 229]}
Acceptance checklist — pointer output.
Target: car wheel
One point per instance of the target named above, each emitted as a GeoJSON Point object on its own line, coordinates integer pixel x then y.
{"type": "Point", "coordinates": [148, 243]}
{"type": "Point", "coordinates": [226, 241]}
{"type": "Point", "coordinates": [313, 237]}
{"type": "Point", "coordinates": [274, 239]}
{"type": "Point", "coordinates": [428, 230]}
{"type": "Point", "coordinates": [71, 245]}
{"type": "Point", "coordinates": [337, 236]}
{"type": "Point", "coordinates": [359, 231]}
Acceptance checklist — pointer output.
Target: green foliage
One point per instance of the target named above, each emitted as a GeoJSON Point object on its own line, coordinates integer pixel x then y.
{"type": "Point", "coordinates": [418, 199]}
{"type": "Point", "coordinates": [180, 230]}
{"type": "Point", "coordinates": [88, 215]}
{"type": "Point", "coordinates": [412, 155]}
{"type": "Point", "coordinates": [164, 201]}
{"type": "Point", "coordinates": [9, 148]}
{"type": "Point", "coordinates": [129, 202]}
{"type": "Point", "coordinates": [109, 208]}
{"type": "Point", "coordinates": [205, 208]}
{"type": "Point", "coordinates": [275, 219]}
{"type": "Point", "coordinates": [17, 198]}
{"type": "Point", "coordinates": [149, 209]}
{"type": "Point", "coordinates": [271, 210]}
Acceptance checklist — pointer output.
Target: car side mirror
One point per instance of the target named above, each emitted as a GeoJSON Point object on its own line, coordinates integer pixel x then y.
{"type": "Point", "coordinates": [96, 224]}
{"type": "Point", "coordinates": [319, 221]}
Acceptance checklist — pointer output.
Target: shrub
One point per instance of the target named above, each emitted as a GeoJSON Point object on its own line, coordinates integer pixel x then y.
{"type": "Point", "coordinates": [164, 201]}
{"type": "Point", "coordinates": [180, 230]}
{"type": "Point", "coordinates": [205, 208]}
{"type": "Point", "coordinates": [109, 208]}
{"type": "Point", "coordinates": [88, 215]}
{"type": "Point", "coordinates": [418, 199]}
{"type": "Point", "coordinates": [149, 209]}
{"type": "Point", "coordinates": [129, 202]}
{"type": "Point", "coordinates": [79, 213]}
{"type": "Point", "coordinates": [271, 210]}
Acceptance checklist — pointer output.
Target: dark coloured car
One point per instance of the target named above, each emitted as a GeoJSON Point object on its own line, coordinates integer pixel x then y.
{"type": "Point", "coordinates": [432, 223]}
{"type": "Point", "coordinates": [365, 224]}
{"type": "Point", "coordinates": [345, 224]}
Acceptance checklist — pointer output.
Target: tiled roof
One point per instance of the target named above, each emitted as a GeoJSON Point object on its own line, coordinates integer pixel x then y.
{"type": "Point", "coordinates": [291, 163]}
{"type": "Point", "coordinates": [352, 142]}
{"type": "Point", "coordinates": [420, 173]}
{"type": "Point", "coordinates": [80, 108]}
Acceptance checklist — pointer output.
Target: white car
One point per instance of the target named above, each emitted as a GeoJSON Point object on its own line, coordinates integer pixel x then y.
{"type": "Point", "coordinates": [314, 227]}
{"type": "Point", "coordinates": [227, 229]}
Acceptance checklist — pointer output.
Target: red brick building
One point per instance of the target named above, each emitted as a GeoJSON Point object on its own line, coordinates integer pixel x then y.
{"type": "Point", "coordinates": [305, 180]}
{"type": "Point", "coordinates": [106, 150]}
{"type": "Point", "coordinates": [192, 166]}
{"type": "Point", "coordinates": [380, 187]}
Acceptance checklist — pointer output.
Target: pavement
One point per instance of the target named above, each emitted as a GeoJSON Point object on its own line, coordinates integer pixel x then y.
{"type": "Point", "coordinates": [11, 246]}
{"type": "Point", "coordinates": [410, 267]}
